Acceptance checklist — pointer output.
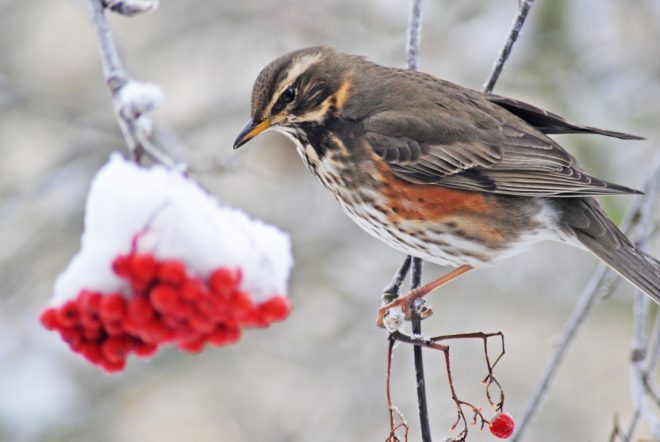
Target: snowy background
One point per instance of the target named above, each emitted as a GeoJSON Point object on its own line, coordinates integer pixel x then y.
{"type": "Point", "coordinates": [320, 375]}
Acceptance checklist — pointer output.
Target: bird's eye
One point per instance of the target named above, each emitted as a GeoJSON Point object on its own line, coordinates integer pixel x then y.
{"type": "Point", "coordinates": [288, 95]}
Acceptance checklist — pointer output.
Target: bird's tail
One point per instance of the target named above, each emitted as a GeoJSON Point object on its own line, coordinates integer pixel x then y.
{"type": "Point", "coordinates": [594, 230]}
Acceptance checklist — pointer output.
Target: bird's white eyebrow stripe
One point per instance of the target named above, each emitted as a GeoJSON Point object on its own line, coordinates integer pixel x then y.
{"type": "Point", "coordinates": [300, 65]}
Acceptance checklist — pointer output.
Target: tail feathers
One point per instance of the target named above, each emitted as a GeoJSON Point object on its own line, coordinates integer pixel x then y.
{"type": "Point", "coordinates": [641, 269]}
{"type": "Point", "coordinates": [592, 228]}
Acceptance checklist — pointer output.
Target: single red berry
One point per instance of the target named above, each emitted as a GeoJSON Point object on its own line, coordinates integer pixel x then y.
{"type": "Point", "coordinates": [73, 337]}
{"type": "Point", "coordinates": [115, 349]}
{"type": "Point", "coordinates": [192, 290]}
{"type": "Point", "coordinates": [276, 309]}
{"type": "Point", "coordinates": [143, 350]}
{"type": "Point", "coordinates": [143, 267]}
{"type": "Point", "coordinates": [241, 304]}
{"type": "Point", "coordinates": [224, 281]}
{"type": "Point", "coordinates": [92, 352]}
{"type": "Point", "coordinates": [112, 308]}
{"type": "Point", "coordinates": [92, 334]}
{"type": "Point", "coordinates": [112, 367]}
{"type": "Point", "coordinates": [164, 298]}
{"type": "Point", "coordinates": [139, 310]}
{"type": "Point", "coordinates": [193, 346]}
{"type": "Point", "coordinates": [502, 425]}
{"type": "Point", "coordinates": [172, 272]}
{"type": "Point", "coordinates": [155, 332]}
{"type": "Point", "coordinates": [114, 328]}
{"type": "Point", "coordinates": [224, 335]}
{"type": "Point", "coordinates": [49, 318]}
{"type": "Point", "coordinates": [121, 266]}
{"type": "Point", "coordinates": [68, 314]}
{"type": "Point", "coordinates": [200, 323]}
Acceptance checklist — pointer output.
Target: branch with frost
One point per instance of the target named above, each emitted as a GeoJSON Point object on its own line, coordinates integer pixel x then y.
{"type": "Point", "coordinates": [596, 289]}
{"type": "Point", "coordinates": [523, 10]}
{"type": "Point", "coordinates": [644, 357]}
{"type": "Point", "coordinates": [133, 100]}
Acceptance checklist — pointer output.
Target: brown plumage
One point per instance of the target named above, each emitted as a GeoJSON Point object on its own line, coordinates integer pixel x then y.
{"type": "Point", "coordinates": [439, 171]}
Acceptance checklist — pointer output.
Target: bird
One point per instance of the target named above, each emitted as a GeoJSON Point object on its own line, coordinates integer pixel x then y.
{"type": "Point", "coordinates": [438, 171]}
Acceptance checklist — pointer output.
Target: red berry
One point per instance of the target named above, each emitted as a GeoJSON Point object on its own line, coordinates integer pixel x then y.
{"type": "Point", "coordinates": [172, 272]}
{"type": "Point", "coordinates": [200, 323]}
{"type": "Point", "coordinates": [224, 281]}
{"type": "Point", "coordinates": [112, 308]}
{"type": "Point", "coordinates": [241, 304]}
{"type": "Point", "coordinates": [276, 309]}
{"type": "Point", "coordinates": [224, 335]}
{"type": "Point", "coordinates": [115, 328]}
{"type": "Point", "coordinates": [144, 350]}
{"type": "Point", "coordinates": [164, 298]}
{"type": "Point", "coordinates": [68, 314]}
{"type": "Point", "coordinates": [92, 352]}
{"type": "Point", "coordinates": [194, 346]}
{"type": "Point", "coordinates": [73, 337]}
{"type": "Point", "coordinates": [502, 425]}
{"type": "Point", "coordinates": [192, 290]}
{"type": "Point", "coordinates": [48, 319]}
{"type": "Point", "coordinates": [115, 349]}
{"type": "Point", "coordinates": [143, 268]}
{"type": "Point", "coordinates": [112, 367]}
{"type": "Point", "coordinates": [121, 266]}
{"type": "Point", "coordinates": [92, 334]}
{"type": "Point", "coordinates": [139, 310]}
{"type": "Point", "coordinates": [154, 332]}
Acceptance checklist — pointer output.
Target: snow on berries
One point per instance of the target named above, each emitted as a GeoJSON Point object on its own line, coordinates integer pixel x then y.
{"type": "Point", "coordinates": [502, 425]}
{"type": "Point", "coordinates": [161, 262]}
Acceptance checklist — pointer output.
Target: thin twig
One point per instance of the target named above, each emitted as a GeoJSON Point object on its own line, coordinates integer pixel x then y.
{"type": "Point", "coordinates": [640, 340]}
{"type": "Point", "coordinates": [523, 10]}
{"type": "Point", "coordinates": [414, 35]}
{"type": "Point", "coordinates": [588, 299]}
{"type": "Point", "coordinates": [133, 100]}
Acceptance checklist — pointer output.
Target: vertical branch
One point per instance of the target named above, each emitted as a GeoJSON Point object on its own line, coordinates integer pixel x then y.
{"type": "Point", "coordinates": [514, 32]}
{"type": "Point", "coordinates": [641, 353]}
{"type": "Point", "coordinates": [414, 35]}
{"type": "Point", "coordinates": [416, 281]}
{"type": "Point", "coordinates": [412, 62]}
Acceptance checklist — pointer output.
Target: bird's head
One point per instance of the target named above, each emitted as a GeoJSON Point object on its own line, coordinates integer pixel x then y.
{"type": "Point", "coordinates": [304, 87]}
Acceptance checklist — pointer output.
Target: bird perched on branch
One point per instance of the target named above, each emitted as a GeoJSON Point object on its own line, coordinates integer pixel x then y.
{"type": "Point", "coordinates": [438, 171]}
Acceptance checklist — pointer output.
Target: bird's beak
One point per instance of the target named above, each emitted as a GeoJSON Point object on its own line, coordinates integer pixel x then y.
{"type": "Point", "coordinates": [250, 131]}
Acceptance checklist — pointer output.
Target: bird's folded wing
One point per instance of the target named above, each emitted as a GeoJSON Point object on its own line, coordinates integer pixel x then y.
{"type": "Point", "coordinates": [481, 151]}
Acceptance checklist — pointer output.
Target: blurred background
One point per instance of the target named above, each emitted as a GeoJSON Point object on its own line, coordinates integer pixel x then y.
{"type": "Point", "coordinates": [320, 375]}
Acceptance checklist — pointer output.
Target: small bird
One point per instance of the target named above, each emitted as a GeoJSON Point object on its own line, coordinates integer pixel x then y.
{"type": "Point", "coordinates": [438, 171]}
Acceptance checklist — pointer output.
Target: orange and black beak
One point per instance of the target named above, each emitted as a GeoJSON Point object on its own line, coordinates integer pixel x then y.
{"type": "Point", "coordinates": [250, 131]}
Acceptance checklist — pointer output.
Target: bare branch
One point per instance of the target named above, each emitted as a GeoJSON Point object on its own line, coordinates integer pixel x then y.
{"type": "Point", "coordinates": [524, 8]}
{"type": "Point", "coordinates": [414, 35]}
{"type": "Point", "coordinates": [133, 100]}
{"type": "Point", "coordinates": [592, 293]}
{"type": "Point", "coordinates": [640, 341]}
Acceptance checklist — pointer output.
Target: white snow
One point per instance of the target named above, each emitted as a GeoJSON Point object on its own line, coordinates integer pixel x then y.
{"type": "Point", "coordinates": [181, 221]}
{"type": "Point", "coordinates": [137, 98]}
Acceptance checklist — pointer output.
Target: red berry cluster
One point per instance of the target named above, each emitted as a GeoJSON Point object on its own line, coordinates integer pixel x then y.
{"type": "Point", "coordinates": [502, 425]}
{"type": "Point", "coordinates": [165, 305]}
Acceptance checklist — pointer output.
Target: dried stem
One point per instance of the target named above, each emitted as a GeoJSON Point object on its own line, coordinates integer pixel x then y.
{"type": "Point", "coordinates": [477, 415]}
{"type": "Point", "coordinates": [591, 294]}
{"type": "Point", "coordinates": [518, 22]}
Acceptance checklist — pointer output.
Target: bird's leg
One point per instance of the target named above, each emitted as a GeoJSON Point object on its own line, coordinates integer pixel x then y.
{"type": "Point", "coordinates": [405, 300]}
